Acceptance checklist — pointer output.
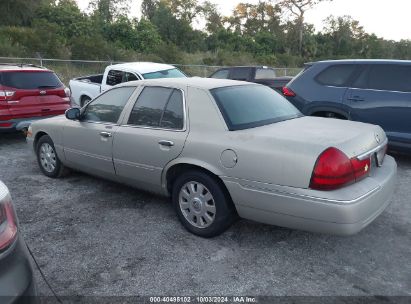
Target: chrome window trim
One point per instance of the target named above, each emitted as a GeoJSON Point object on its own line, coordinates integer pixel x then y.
{"type": "Point", "coordinates": [184, 129]}
{"type": "Point", "coordinates": [376, 149]}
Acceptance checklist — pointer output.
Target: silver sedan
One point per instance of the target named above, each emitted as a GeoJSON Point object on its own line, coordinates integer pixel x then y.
{"type": "Point", "coordinates": [222, 149]}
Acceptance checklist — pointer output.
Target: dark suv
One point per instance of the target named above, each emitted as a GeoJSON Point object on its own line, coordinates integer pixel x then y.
{"type": "Point", "coordinates": [257, 74]}
{"type": "Point", "coordinates": [371, 91]}
{"type": "Point", "coordinates": [28, 93]}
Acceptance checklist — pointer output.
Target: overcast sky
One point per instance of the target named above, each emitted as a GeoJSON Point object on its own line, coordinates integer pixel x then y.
{"type": "Point", "coordinates": [387, 19]}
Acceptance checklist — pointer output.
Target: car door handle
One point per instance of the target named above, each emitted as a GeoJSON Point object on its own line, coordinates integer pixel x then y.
{"type": "Point", "coordinates": [166, 143]}
{"type": "Point", "coordinates": [106, 134]}
{"type": "Point", "coordinates": [356, 98]}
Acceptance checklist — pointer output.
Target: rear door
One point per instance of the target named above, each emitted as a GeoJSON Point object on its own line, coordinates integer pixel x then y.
{"type": "Point", "coordinates": [152, 135]}
{"type": "Point", "coordinates": [382, 96]}
{"type": "Point", "coordinates": [36, 93]}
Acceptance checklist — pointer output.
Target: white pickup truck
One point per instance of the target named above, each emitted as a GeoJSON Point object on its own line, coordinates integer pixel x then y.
{"type": "Point", "coordinates": [84, 89]}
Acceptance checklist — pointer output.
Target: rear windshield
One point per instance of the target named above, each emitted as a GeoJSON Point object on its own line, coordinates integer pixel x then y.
{"type": "Point", "coordinates": [30, 80]}
{"type": "Point", "coordinates": [173, 73]}
{"type": "Point", "coordinates": [251, 106]}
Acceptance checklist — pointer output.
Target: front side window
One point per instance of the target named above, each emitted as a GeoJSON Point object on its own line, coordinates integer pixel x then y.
{"type": "Point", "coordinates": [30, 80]}
{"type": "Point", "coordinates": [337, 75]}
{"type": "Point", "coordinates": [108, 107]}
{"type": "Point", "coordinates": [221, 74]}
{"type": "Point", "coordinates": [264, 73]}
{"type": "Point", "coordinates": [250, 106]}
{"type": "Point", "coordinates": [114, 77]}
{"type": "Point", "coordinates": [172, 73]}
{"type": "Point", "coordinates": [158, 107]}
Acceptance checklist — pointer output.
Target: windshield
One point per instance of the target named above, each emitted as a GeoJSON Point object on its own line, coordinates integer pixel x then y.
{"type": "Point", "coordinates": [172, 73]}
{"type": "Point", "coordinates": [250, 106]}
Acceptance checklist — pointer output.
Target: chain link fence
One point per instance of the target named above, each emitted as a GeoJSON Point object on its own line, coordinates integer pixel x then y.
{"type": "Point", "coordinates": [68, 69]}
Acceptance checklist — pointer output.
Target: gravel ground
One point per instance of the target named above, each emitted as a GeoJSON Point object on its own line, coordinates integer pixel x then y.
{"type": "Point", "coordinates": [94, 237]}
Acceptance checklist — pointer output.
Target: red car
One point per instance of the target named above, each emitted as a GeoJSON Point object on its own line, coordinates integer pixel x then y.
{"type": "Point", "coordinates": [29, 93]}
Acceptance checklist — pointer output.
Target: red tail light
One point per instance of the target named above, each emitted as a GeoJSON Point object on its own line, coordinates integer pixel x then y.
{"type": "Point", "coordinates": [334, 170]}
{"type": "Point", "coordinates": [361, 168]}
{"type": "Point", "coordinates": [288, 92]}
{"type": "Point", "coordinates": [8, 224]}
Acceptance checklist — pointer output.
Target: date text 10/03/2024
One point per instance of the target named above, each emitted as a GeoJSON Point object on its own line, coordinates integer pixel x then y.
{"type": "Point", "coordinates": [200, 299]}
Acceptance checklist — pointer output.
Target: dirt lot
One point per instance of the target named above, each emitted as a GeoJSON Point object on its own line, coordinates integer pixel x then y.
{"type": "Point", "coordinates": [93, 237]}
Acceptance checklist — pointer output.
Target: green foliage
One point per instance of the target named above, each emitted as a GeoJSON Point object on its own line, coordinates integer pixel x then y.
{"type": "Point", "coordinates": [19, 12]}
{"type": "Point", "coordinates": [252, 34]}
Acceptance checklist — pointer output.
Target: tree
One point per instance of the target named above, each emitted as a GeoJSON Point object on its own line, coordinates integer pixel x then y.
{"type": "Point", "coordinates": [183, 9]}
{"type": "Point", "coordinates": [298, 8]}
{"type": "Point", "coordinates": [148, 8]}
{"type": "Point", "coordinates": [346, 35]}
{"type": "Point", "coordinates": [68, 17]}
{"type": "Point", "coordinates": [214, 20]}
{"type": "Point", "coordinates": [19, 12]}
{"type": "Point", "coordinates": [148, 38]}
{"type": "Point", "coordinates": [108, 10]}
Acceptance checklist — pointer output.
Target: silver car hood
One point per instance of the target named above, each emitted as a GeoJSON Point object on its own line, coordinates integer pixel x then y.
{"type": "Point", "coordinates": [285, 153]}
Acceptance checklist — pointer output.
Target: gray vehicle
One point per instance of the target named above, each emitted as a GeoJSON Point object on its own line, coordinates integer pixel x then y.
{"type": "Point", "coordinates": [370, 91]}
{"type": "Point", "coordinates": [17, 283]}
{"type": "Point", "coordinates": [222, 148]}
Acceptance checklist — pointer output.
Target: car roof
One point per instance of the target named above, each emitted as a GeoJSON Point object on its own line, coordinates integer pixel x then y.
{"type": "Point", "coordinates": [196, 82]}
{"type": "Point", "coordinates": [142, 67]}
{"type": "Point", "coordinates": [362, 61]}
{"type": "Point", "coordinates": [21, 67]}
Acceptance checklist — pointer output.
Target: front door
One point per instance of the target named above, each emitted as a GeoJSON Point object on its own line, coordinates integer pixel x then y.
{"type": "Point", "coordinates": [152, 135]}
{"type": "Point", "coordinates": [88, 142]}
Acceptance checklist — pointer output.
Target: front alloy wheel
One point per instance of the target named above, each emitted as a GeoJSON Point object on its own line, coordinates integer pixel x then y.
{"type": "Point", "coordinates": [48, 159]}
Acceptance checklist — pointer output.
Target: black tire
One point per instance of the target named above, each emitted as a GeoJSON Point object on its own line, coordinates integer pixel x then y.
{"type": "Point", "coordinates": [59, 169]}
{"type": "Point", "coordinates": [84, 100]}
{"type": "Point", "coordinates": [225, 213]}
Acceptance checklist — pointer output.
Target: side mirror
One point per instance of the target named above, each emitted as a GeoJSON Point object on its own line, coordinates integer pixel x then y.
{"type": "Point", "coordinates": [73, 113]}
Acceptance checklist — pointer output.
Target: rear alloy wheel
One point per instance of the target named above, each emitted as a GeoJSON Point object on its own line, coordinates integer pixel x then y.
{"type": "Point", "coordinates": [47, 158]}
{"type": "Point", "coordinates": [202, 205]}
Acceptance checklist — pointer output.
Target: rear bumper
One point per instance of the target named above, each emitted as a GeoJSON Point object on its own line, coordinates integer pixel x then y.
{"type": "Point", "coordinates": [17, 284]}
{"type": "Point", "coordinates": [20, 124]}
{"type": "Point", "coordinates": [342, 212]}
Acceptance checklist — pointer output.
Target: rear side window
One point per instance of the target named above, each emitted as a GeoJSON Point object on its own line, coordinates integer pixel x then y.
{"type": "Point", "coordinates": [108, 107]}
{"type": "Point", "coordinates": [264, 73]}
{"type": "Point", "coordinates": [337, 75]}
{"type": "Point", "coordinates": [240, 73]}
{"type": "Point", "coordinates": [159, 107]}
{"type": "Point", "coordinates": [114, 77]}
{"type": "Point", "coordinates": [386, 77]}
{"type": "Point", "coordinates": [221, 74]}
{"type": "Point", "coordinates": [129, 77]}
{"type": "Point", "coordinates": [30, 80]}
